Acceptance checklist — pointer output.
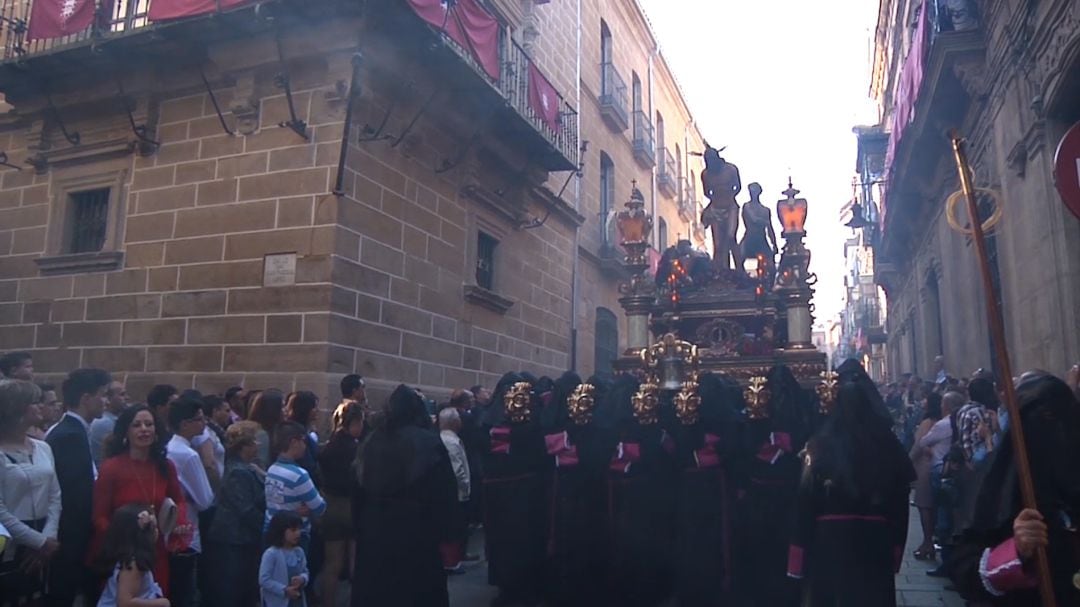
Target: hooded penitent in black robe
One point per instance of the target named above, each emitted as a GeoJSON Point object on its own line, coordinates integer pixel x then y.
{"type": "Point", "coordinates": [640, 504]}
{"type": "Point", "coordinates": [704, 496]}
{"type": "Point", "coordinates": [409, 490]}
{"type": "Point", "coordinates": [852, 507]}
{"type": "Point", "coordinates": [514, 506]}
{"type": "Point", "coordinates": [984, 565]}
{"type": "Point", "coordinates": [769, 466]}
{"type": "Point", "coordinates": [578, 452]}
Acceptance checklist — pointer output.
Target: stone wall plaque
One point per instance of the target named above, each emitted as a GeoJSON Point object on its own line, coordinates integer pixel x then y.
{"type": "Point", "coordinates": [279, 270]}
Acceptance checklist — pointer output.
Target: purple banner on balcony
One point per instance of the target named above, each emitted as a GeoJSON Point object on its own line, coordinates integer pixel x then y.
{"type": "Point", "coordinates": [907, 93]}
{"type": "Point", "coordinates": [543, 98]}
{"type": "Point", "coordinates": [467, 24]}
{"type": "Point", "coordinates": [164, 10]}
{"type": "Point", "coordinates": [58, 18]}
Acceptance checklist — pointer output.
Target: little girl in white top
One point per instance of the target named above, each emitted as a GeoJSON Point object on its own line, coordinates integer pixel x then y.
{"type": "Point", "coordinates": [129, 545]}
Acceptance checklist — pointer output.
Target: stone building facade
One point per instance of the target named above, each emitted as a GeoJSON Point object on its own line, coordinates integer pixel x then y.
{"type": "Point", "coordinates": [1007, 74]}
{"type": "Point", "coordinates": [194, 202]}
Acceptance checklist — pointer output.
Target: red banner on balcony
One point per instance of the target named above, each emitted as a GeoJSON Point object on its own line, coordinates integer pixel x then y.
{"type": "Point", "coordinates": [467, 24]}
{"type": "Point", "coordinates": [57, 18]}
{"type": "Point", "coordinates": [907, 93]}
{"type": "Point", "coordinates": [543, 98]}
{"type": "Point", "coordinates": [164, 10]}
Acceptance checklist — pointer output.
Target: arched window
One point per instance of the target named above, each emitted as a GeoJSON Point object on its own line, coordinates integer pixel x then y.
{"type": "Point", "coordinates": [607, 342]}
{"type": "Point", "coordinates": [637, 93]}
{"type": "Point", "coordinates": [607, 198]}
{"type": "Point", "coordinates": [605, 43]}
{"type": "Point", "coordinates": [661, 235]}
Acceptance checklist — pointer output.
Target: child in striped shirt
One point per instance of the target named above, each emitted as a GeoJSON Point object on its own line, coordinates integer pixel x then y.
{"type": "Point", "coordinates": [288, 486]}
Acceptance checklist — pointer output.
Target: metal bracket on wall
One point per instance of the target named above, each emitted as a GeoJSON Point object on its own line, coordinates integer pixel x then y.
{"type": "Point", "coordinates": [412, 123]}
{"type": "Point", "coordinates": [213, 100]}
{"type": "Point", "coordinates": [138, 129]}
{"type": "Point", "coordinates": [72, 137]}
{"type": "Point", "coordinates": [350, 100]}
{"type": "Point", "coordinates": [298, 126]}
{"type": "Point", "coordinates": [579, 171]}
{"type": "Point", "coordinates": [447, 164]}
{"type": "Point", "coordinates": [4, 162]}
{"type": "Point", "coordinates": [370, 133]}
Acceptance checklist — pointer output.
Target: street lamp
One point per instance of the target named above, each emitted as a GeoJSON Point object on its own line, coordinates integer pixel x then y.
{"type": "Point", "coordinates": [639, 291]}
{"type": "Point", "coordinates": [793, 285]}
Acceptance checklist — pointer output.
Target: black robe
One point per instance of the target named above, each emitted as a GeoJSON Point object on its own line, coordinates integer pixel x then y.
{"type": "Point", "coordinates": [1051, 422]}
{"type": "Point", "coordinates": [703, 517]}
{"type": "Point", "coordinates": [409, 490]}
{"type": "Point", "coordinates": [769, 470]}
{"type": "Point", "coordinates": [768, 478]}
{"type": "Point", "coordinates": [514, 508]}
{"type": "Point", "coordinates": [576, 542]}
{"type": "Point", "coordinates": [640, 507]}
{"type": "Point", "coordinates": [849, 548]}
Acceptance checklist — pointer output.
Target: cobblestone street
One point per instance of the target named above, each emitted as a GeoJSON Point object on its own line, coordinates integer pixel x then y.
{"type": "Point", "coordinates": [913, 587]}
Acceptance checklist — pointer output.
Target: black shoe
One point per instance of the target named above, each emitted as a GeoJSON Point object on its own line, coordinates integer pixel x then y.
{"type": "Point", "coordinates": [938, 572]}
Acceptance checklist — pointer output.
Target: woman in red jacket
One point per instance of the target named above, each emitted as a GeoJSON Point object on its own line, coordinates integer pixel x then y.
{"type": "Point", "coordinates": [137, 472]}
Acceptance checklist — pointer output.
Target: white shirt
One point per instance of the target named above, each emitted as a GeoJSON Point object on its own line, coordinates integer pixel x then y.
{"type": "Point", "coordinates": [938, 440]}
{"type": "Point", "coordinates": [29, 490]}
{"type": "Point", "coordinates": [192, 477]}
{"type": "Point", "coordinates": [219, 449]}
{"type": "Point", "coordinates": [100, 429]}
{"type": "Point", "coordinates": [458, 461]}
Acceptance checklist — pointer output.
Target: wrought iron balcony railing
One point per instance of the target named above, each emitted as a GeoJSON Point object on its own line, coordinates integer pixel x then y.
{"type": "Point", "coordinates": [613, 97]}
{"type": "Point", "coordinates": [113, 18]}
{"type": "Point", "coordinates": [644, 140]}
{"type": "Point", "coordinates": [666, 176]}
{"type": "Point", "coordinates": [515, 87]}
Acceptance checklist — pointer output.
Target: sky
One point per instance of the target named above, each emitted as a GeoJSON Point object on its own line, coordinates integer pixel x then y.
{"type": "Point", "coordinates": [781, 83]}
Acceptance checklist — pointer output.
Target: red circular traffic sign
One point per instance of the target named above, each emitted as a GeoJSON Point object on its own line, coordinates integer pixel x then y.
{"type": "Point", "coordinates": [1067, 169]}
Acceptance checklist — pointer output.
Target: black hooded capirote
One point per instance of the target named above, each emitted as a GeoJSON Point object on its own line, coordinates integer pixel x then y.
{"type": "Point", "coordinates": [514, 506]}
{"type": "Point", "coordinates": [409, 489]}
{"type": "Point", "coordinates": [1050, 416]}
{"type": "Point", "coordinates": [769, 467]}
{"type": "Point", "coordinates": [704, 494]}
{"type": "Point", "coordinates": [640, 502]}
{"type": "Point", "coordinates": [577, 458]}
{"type": "Point", "coordinates": [852, 505]}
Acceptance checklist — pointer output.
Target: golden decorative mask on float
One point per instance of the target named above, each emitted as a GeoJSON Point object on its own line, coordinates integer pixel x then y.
{"type": "Point", "coordinates": [646, 403]}
{"type": "Point", "coordinates": [757, 397]}
{"type": "Point", "coordinates": [827, 391]}
{"type": "Point", "coordinates": [688, 401]}
{"type": "Point", "coordinates": [581, 403]}
{"type": "Point", "coordinates": [517, 401]}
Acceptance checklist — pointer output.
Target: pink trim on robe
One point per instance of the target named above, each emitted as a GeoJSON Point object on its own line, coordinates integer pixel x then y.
{"type": "Point", "coordinates": [625, 455]}
{"type": "Point", "coordinates": [559, 445]}
{"type": "Point", "coordinates": [500, 440]}
{"type": "Point", "coordinates": [778, 444]}
{"type": "Point", "coordinates": [707, 457]}
{"type": "Point", "coordinates": [1002, 571]}
{"type": "Point", "coordinates": [795, 561]}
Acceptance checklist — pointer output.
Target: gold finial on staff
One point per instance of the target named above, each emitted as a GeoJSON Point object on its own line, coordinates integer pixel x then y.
{"type": "Point", "coordinates": [997, 333]}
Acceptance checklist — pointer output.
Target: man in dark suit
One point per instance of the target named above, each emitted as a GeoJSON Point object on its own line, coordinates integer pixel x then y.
{"type": "Point", "coordinates": [85, 395]}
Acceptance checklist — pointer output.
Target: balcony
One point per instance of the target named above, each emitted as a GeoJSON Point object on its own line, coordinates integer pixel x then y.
{"type": "Point", "coordinates": [953, 57]}
{"type": "Point", "coordinates": [551, 139]}
{"type": "Point", "coordinates": [688, 208]}
{"type": "Point", "coordinates": [666, 177]}
{"type": "Point", "coordinates": [644, 140]}
{"type": "Point", "coordinates": [124, 17]}
{"type": "Point", "coordinates": [613, 98]}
